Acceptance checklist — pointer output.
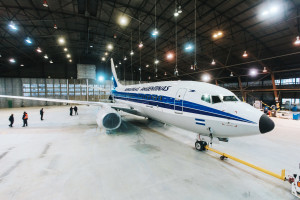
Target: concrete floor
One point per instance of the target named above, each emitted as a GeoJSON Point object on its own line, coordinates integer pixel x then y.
{"type": "Point", "coordinates": [66, 157]}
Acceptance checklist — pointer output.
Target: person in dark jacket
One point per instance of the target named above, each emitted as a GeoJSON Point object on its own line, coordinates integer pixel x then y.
{"type": "Point", "coordinates": [25, 118]}
{"type": "Point", "coordinates": [11, 119]}
{"type": "Point", "coordinates": [71, 111]}
{"type": "Point", "coordinates": [42, 113]}
{"type": "Point", "coordinates": [76, 109]}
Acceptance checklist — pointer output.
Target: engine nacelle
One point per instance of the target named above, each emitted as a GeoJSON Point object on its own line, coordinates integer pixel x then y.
{"type": "Point", "coordinates": [108, 118]}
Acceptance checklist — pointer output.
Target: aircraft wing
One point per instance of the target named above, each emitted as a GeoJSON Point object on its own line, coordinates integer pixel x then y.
{"type": "Point", "coordinates": [57, 100]}
{"type": "Point", "coordinates": [125, 108]}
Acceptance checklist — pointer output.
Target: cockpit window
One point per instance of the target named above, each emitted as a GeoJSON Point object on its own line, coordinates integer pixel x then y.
{"type": "Point", "coordinates": [206, 98]}
{"type": "Point", "coordinates": [229, 98]}
{"type": "Point", "coordinates": [215, 99]}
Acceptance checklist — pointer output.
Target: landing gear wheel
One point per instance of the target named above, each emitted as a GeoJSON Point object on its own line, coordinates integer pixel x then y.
{"type": "Point", "coordinates": [223, 157]}
{"type": "Point", "coordinates": [200, 145]}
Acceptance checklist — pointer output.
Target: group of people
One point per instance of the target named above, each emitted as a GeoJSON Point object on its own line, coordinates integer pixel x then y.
{"type": "Point", "coordinates": [75, 110]}
{"type": "Point", "coordinates": [25, 116]}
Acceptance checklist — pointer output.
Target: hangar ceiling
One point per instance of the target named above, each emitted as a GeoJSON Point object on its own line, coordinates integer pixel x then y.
{"type": "Point", "coordinates": [88, 26]}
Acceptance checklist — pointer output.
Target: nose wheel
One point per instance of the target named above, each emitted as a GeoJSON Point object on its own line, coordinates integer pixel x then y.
{"type": "Point", "coordinates": [200, 145]}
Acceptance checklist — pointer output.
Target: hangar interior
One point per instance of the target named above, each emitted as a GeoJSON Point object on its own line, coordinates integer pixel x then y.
{"type": "Point", "coordinates": [63, 50]}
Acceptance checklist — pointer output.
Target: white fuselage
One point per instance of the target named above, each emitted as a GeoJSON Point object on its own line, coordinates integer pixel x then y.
{"type": "Point", "coordinates": [181, 103]}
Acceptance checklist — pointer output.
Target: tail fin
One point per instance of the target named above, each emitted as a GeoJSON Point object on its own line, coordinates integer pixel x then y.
{"type": "Point", "coordinates": [115, 78]}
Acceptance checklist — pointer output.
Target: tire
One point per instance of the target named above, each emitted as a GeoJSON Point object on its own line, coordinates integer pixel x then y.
{"type": "Point", "coordinates": [203, 145]}
{"type": "Point", "coordinates": [198, 146]}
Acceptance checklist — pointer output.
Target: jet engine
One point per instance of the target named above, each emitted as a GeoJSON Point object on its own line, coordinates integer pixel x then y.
{"type": "Point", "coordinates": [108, 118]}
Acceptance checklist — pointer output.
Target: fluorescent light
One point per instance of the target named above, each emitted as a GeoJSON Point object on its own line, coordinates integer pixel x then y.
{"type": "Point", "coordinates": [61, 40]}
{"type": "Point", "coordinates": [12, 60]}
{"type": "Point", "coordinates": [45, 56]}
{"type": "Point", "coordinates": [205, 77]}
{"type": "Point", "coordinates": [28, 40]}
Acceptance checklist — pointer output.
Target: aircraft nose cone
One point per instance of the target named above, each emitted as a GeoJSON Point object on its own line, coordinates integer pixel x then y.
{"type": "Point", "coordinates": [265, 124]}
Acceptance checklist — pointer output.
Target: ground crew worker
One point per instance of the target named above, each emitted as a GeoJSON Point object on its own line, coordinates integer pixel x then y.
{"type": "Point", "coordinates": [71, 111]}
{"type": "Point", "coordinates": [75, 109]}
{"type": "Point", "coordinates": [42, 113]}
{"type": "Point", "coordinates": [11, 119]}
{"type": "Point", "coordinates": [25, 118]}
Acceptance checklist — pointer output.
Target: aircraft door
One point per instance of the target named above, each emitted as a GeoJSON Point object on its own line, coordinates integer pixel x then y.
{"type": "Point", "coordinates": [178, 101]}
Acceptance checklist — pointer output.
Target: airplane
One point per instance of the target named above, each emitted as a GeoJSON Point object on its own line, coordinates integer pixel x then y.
{"type": "Point", "coordinates": [213, 112]}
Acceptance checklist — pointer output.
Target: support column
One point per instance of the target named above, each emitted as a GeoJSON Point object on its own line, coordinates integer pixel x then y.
{"type": "Point", "coordinates": [241, 89]}
{"type": "Point", "coordinates": [274, 87]}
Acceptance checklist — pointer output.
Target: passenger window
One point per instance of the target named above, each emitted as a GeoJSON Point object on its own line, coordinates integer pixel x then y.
{"type": "Point", "coordinates": [206, 98]}
{"type": "Point", "coordinates": [215, 99]}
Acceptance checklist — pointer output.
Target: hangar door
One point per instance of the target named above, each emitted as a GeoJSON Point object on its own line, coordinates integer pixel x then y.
{"type": "Point", "coordinates": [178, 101]}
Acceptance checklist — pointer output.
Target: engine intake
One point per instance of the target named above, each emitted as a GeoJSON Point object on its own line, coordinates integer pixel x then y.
{"type": "Point", "coordinates": [109, 119]}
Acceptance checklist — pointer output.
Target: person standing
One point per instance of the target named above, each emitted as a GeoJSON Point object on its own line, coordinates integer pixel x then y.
{"type": "Point", "coordinates": [25, 118]}
{"type": "Point", "coordinates": [11, 119]}
{"type": "Point", "coordinates": [42, 113]}
{"type": "Point", "coordinates": [76, 109]}
{"type": "Point", "coordinates": [71, 111]}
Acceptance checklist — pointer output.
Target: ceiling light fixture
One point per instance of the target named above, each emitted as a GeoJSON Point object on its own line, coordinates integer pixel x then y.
{"type": "Point", "coordinates": [28, 40]}
{"type": "Point", "coordinates": [170, 56]}
{"type": "Point", "coordinates": [61, 40]}
{"type": "Point", "coordinates": [45, 56]}
{"type": "Point", "coordinates": [231, 74]}
{"type": "Point", "coordinates": [155, 32]}
{"type": "Point", "coordinates": [12, 26]}
{"type": "Point", "coordinates": [65, 49]}
{"type": "Point", "coordinates": [265, 70]}
{"type": "Point", "coordinates": [147, 66]}
{"type": "Point", "coordinates": [68, 56]}
{"type": "Point", "coordinates": [123, 20]}
{"type": "Point", "coordinates": [110, 47]}
{"type": "Point", "coordinates": [45, 4]}
{"type": "Point", "coordinates": [12, 60]}
{"type": "Point", "coordinates": [39, 50]}
{"type": "Point", "coordinates": [165, 74]}
{"type": "Point", "coordinates": [179, 9]}
{"type": "Point", "coordinates": [156, 61]}
{"type": "Point", "coordinates": [125, 58]}
{"type": "Point", "coordinates": [103, 58]}
{"type": "Point", "coordinates": [106, 53]}
{"type": "Point", "coordinates": [205, 77]}
{"type": "Point", "coordinates": [253, 72]}
{"type": "Point", "coordinates": [91, 46]}
{"type": "Point", "coordinates": [131, 52]}
{"type": "Point", "coordinates": [55, 27]}
{"type": "Point", "coordinates": [70, 60]}
{"type": "Point", "coordinates": [22, 65]}
{"type": "Point", "coordinates": [213, 62]}
{"type": "Point", "coordinates": [245, 55]}
{"type": "Point", "coordinates": [120, 63]}
{"type": "Point", "coordinates": [51, 61]}
{"type": "Point", "coordinates": [297, 42]}
{"type": "Point", "coordinates": [141, 44]}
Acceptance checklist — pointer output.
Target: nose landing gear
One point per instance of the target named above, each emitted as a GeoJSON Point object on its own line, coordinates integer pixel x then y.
{"type": "Point", "coordinates": [200, 145]}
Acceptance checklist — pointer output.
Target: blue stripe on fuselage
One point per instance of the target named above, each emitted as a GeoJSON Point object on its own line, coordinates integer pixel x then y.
{"type": "Point", "coordinates": [168, 103]}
